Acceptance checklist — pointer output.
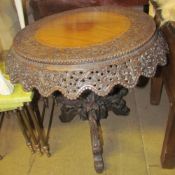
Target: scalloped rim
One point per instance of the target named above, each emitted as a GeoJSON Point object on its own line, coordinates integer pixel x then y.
{"type": "Point", "coordinates": [160, 59]}
{"type": "Point", "coordinates": [90, 87]}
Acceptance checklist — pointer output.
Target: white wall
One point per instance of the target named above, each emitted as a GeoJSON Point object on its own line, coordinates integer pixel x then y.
{"type": "Point", "coordinates": [9, 24]}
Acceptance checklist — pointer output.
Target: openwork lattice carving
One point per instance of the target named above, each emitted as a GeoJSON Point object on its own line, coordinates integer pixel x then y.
{"type": "Point", "coordinates": [100, 78]}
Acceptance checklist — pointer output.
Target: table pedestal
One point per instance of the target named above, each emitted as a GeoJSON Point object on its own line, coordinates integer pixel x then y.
{"type": "Point", "coordinates": [93, 108]}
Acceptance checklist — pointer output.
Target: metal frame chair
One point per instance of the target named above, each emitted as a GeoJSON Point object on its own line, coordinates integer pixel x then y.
{"type": "Point", "coordinates": [21, 104]}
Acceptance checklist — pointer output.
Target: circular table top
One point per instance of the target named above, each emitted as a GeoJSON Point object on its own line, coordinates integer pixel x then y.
{"type": "Point", "coordinates": [85, 35]}
{"type": "Point", "coordinates": [82, 29]}
{"type": "Point", "coordinates": [90, 48]}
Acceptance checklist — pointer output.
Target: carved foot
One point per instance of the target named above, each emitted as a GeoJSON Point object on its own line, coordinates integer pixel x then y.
{"type": "Point", "coordinates": [98, 163]}
{"type": "Point", "coordinates": [120, 108]}
{"type": "Point", "coordinates": [96, 142]}
{"type": "Point", "coordinates": [93, 108]}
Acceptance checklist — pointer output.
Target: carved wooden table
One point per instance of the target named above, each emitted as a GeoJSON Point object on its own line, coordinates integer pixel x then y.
{"type": "Point", "coordinates": [83, 54]}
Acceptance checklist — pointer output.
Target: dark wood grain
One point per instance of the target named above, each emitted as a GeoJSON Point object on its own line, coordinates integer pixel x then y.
{"type": "Point", "coordinates": [168, 150]}
{"type": "Point", "coordinates": [156, 88]}
{"type": "Point", "coordinates": [167, 78]}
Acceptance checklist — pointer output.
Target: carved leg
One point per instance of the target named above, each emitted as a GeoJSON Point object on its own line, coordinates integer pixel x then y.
{"type": "Point", "coordinates": [112, 102]}
{"type": "Point", "coordinates": [67, 113]}
{"type": "Point", "coordinates": [69, 108]}
{"type": "Point", "coordinates": [156, 89]}
{"type": "Point", "coordinates": [168, 150]}
{"type": "Point", "coordinates": [93, 108]}
{"type": "Point", "coordinates": [116, 103]}
{"type": "Point", "coordinates": [96, 142]}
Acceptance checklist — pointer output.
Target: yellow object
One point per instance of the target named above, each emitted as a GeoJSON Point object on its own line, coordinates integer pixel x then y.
{"type": "Point", "coordinates": [82, 29]}
{"type": "Point", "coordinates": [19, 95]}
{"type": "Point", "coordinates": [167, 10]}
{"type": "Point", "coordinates": [10, 106]}
{"type": "Point", "coordinates": [151, 10]}
{"type": "Point", "coordinates": [16, 99]}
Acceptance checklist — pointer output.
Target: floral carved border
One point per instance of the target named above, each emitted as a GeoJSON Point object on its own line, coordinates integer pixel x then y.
{"type": "Point", "coordinates": [100, 79]}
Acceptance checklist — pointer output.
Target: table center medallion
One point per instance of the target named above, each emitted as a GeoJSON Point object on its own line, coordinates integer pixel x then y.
{"type": "Point", "coordinates": [82, 29]}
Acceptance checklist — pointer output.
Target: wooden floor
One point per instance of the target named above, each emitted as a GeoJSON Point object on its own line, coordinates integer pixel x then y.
{"type": "Point", "coordinates": [132, 144]}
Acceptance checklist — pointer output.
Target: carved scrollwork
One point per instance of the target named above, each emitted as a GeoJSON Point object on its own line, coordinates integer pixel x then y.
{"type": "Point", "coordinates": [100, 79]}
{"type": "Point", "coordinates": [112, 102]}
{"type": "Point", "coordinates": [94, 108]}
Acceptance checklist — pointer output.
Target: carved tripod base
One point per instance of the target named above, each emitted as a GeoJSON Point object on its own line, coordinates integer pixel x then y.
{"type": "Point", "coordinates": [93, 108]}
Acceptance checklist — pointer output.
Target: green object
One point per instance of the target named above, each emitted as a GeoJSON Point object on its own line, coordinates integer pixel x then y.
{"type": "Point", "coordinates": [18, 95]}
{"type": "Point", "coordinates": [17, 98]}
{"type": "Point", "coordinates": [10, 107]}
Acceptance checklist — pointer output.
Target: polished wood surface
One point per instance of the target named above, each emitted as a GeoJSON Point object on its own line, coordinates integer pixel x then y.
{"type": "Point", "coordinates": [83, 29]}
{"type": "Point", "coordinates": [86, 35]}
